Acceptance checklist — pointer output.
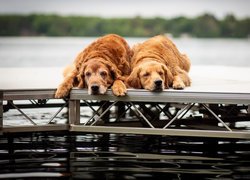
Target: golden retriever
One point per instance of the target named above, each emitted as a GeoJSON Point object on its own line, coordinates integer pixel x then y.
{"type": "Point", "coordinates": [157, 64]}
{"type": "Point", "coordinates": [99, 66]}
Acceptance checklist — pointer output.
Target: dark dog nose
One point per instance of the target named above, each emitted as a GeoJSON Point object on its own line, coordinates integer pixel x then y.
{"type": "Point", "coordinates": [158, 82]}
{"type": "Point", "coordinates": [95, 88]}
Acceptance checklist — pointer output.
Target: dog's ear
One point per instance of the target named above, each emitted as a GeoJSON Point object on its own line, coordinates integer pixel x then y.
{"type": "Point", "coordinates": [71, 71]}
{"type": "Point", "coordinates": [168, 77]}
{"type": "Point", "coordinates": [80, 79]}
{"type": "Point", "coordinates": [134, 80]}
{"type": "Point", "coordinates": [114, 71]}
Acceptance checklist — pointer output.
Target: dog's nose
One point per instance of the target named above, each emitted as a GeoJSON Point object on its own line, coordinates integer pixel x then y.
{"type": "Point", "coordinates": [95, 88]}
{"type": "Point", "coordinates": [158, 82]}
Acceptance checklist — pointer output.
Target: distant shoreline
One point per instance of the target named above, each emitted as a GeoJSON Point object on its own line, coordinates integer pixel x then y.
{"type": "Point", "coordinates": [204, 26]}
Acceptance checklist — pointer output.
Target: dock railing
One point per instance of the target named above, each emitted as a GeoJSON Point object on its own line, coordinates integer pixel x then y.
{"type": "Point", "coordinates": [171, 112]}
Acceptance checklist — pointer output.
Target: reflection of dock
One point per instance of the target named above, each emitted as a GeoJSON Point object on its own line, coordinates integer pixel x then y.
{"type": "Point", "coordinates": [217, 105]}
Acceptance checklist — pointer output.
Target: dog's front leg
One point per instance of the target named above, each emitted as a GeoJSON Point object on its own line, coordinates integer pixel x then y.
{"type": "Point", "coordinates": [119, 88]}
{"type": "Point", "coordinates": [67, 84]}
{"type": "Point", "coordinates": [181, 80]}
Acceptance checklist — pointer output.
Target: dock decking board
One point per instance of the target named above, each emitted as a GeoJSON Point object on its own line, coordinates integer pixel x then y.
{"type": "Point", "coordinates": [179, 96]}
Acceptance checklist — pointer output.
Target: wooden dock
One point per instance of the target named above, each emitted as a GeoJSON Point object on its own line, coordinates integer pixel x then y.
{"type": "Point", "coordinates": [214, 106]}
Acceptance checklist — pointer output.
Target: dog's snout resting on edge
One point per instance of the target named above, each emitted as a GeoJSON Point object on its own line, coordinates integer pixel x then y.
{"type": "Point", "coordinates": [157, 64]}
{"type": "Point", "coordinates": [101, 65]}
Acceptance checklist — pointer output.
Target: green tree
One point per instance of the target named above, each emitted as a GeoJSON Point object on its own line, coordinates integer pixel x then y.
{"type": "Point", "coordinates": [53, 25]}
{"type": "Point", "coordinates": [180, 25]}
{"type": "Point", "coordinates": [229, 26]}
{"type": "Point", "coordinates": [206, 26]}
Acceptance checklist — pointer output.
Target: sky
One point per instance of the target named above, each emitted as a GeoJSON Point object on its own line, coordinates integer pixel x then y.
{"type": "Point", "coordinates": [128, 8]}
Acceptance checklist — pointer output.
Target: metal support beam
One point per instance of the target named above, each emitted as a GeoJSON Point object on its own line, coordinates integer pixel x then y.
{"type": "Point", "coordinates": [138, 111]}
{"type": "Point", "coordinates": [187, 107]}
{"type": "Point", "coordinates": [59, 110]}
{"type": "Point", "coordinates": [38, 128]}
{"type": "Point", "coordinates": [25, 115]}
{"type": "Point", "coordinates": [159, 131]}
{"type": "Point", "coordinates": [99, 117]}
{"type": "Point", "coordinates": [164, 111]}
{"type": "Point", "coordinates": [95, 112]}
{"type": "Point", "coordinates": [215, 115]}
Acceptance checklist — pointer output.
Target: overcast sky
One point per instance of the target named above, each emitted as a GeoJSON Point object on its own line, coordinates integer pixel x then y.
{"type": "Point", "coordinates": [128, 8]}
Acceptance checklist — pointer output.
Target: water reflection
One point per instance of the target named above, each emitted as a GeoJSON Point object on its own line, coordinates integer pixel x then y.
{"type": "Point", "coordinates": [67, 155]}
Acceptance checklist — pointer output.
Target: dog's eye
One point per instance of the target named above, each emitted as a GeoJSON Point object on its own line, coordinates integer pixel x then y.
{"type": "Point", "coordinates": [103, 73]}
{"type": "Point", "coordinates": [146, 74]}
{"type": "Point", "coordinates": [88, 74]}
{"type": "Point", "coordinates": [160, 73]}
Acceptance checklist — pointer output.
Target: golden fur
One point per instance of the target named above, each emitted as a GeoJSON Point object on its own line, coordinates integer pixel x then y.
{"type": "Point", "coordinates": [99, 66]}
{"type": "Point", "coordinates": [157, 64]}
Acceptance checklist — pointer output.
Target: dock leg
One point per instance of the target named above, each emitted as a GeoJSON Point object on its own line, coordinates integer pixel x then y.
{"type": "Point", "coordinates": [1, 112]}
{"type": "Point", "coordinates": [74, 112]}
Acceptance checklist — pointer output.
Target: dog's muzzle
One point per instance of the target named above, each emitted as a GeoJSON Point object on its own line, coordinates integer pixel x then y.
{"type": "Point", "coordinates": [95, 89]}
{"type": "Point", "coordinates": [158, 85]}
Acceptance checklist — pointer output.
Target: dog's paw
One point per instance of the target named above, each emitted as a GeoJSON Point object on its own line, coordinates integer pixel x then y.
{"type": "Point", "coordinates": [61, 92]}
{"type": "Point", "coordinates": [178, 85]}
{"type": "Point", "coordinates": [119, 89]}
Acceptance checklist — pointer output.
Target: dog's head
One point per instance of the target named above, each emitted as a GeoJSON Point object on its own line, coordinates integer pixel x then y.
{"type": "Point", "coordinates": [96, 76]}
{"type": "Point", "coordinates": [151, 75]}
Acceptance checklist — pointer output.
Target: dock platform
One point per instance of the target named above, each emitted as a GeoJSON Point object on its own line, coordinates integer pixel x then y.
{"type": "Point", "coordinates": [216, 106]}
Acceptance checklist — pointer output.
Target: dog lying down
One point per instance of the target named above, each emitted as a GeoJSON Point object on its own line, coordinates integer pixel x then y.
{"type": "Point", "coordinates": [99, 66]}
{"type": "Point", "coordinates": [157, 64]}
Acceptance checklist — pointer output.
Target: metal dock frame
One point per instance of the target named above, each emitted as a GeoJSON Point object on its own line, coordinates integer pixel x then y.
{"type": "Point", "coordinates": [29, 94]}
{"type": "Point", "coordinates": [188, 98]}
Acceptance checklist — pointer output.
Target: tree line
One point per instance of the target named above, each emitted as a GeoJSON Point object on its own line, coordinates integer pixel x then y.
{"type": "Point", "coordinates": [205, 25]}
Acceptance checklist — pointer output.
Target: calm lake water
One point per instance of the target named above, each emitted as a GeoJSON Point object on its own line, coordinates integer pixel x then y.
{"type": "Point", "coordinates": [60, 51]}
{"type": "Point", "coordinates": [65, 155]}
